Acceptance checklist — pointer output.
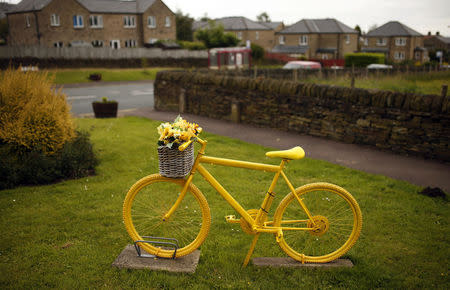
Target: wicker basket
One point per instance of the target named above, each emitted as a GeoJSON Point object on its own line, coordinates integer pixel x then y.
{"type": "Point", "coordinates": [174, 163]}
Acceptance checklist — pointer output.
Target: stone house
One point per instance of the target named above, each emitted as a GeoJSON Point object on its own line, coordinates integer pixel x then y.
{"type": "Point", "coordinates": [260, 33]}
{"type": "Point", "coordinates": [317, 39]}
{"type": "Point", "coordinates": [397, 41]}
{"type": "Point", "coordinates": [97, 23]}
{"type": "Point", "coordinates": [436, 42]}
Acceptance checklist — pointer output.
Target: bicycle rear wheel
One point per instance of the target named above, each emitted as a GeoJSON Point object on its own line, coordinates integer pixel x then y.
{"type": "Point", "coordinates": [336, 214]}
{"type": "Point", "coordinates": [149, 199]}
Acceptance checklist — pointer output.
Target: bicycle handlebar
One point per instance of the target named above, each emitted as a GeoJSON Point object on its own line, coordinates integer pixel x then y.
{"type": "Point", "coordinates": [185, 145]}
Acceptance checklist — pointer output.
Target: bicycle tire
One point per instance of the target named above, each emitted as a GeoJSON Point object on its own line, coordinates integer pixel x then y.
{"type": "Point", "coordinates": [150, 198]}
{"type": "Point", "coordinates": [334, 210]}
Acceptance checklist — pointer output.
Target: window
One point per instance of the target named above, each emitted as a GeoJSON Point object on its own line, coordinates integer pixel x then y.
{"type": "Point", "coordinates": [96, 21]}
{"type": "Point", "coordinates": [239, 35]}
{"type": "Point", "coordinates": [167, 21]}
{"type": "Point", "coordinates": [324, 56]}
{"type": "Point", "coordinates": [347, 39]}
{"type": "Point", "coordinates": [400, 41]}
{"type": "Point", "coordinates": [54, 20]}
{"type": "Point", "coordinates": [97, 43]}
{"type": "Point", "coordinates": [303, 40]}
{"type": "Point", "coordinates": [115, 44]}
{"type": "Point", "coordinates": [366, 41]}
{"type": "Point", "coordinates": [151, 21]}
{"type": "Point", "coordinates": [281, 39]}
{"type": "Point", "coordinates": [152, 40]}
{"type": "Point", "coordinates": [417, 55]}
{"type": "Point", "coordinates": [27, 20]}
{"type": "Point", "coordinates": [130, 43]}
{"type": "Point", "coordinates": [78, 21]}
{"type": "Point", "coordinates": [58, 44]}
{"type": "Point", "coordinates": [399, 55]}
{"type": "Point", "coordinates": [381, 41]}
{"type": "Point", "coordinates": [257, 35]}
{"type": "Point", "coordinates": [129, 21]}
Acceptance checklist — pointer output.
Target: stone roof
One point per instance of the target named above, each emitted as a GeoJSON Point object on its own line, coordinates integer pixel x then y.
{"type": "Point", "coordinates": [271, 25]}
{"type": "Point", "coordinates": [328, 25]}
{"type": "Point", "coordinates": [4, 8]}
{"type": "Point", "coordinates": [96, 6]}
{"type": "Point", "coordinates": [393, 28]}
{"type": "Point", "coordinates": [290, 49]}
{"type": "Point", "coordinates": [233, 23]}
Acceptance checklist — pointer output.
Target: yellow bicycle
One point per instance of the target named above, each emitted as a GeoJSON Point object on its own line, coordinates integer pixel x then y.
{"type": "Point", "coordinates": [317, 222]}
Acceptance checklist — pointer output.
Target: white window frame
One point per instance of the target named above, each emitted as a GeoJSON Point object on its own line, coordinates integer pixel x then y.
{"type": "Point", "coordinates": [27, 21]}
{"type": "Point", "coordinates": [96, 21]}
{"type": "Point", "coordinates": [256, 35]}
{"type": "Point", "coordinates": [152, 40]}
{"type": "Point", "coordinates": [417, 55]}
{"type": "Point", "coordinates": [239, 35]}
{"type": "Point", "coordinates": [324, 56]}
{"type": "Point", "coordinates": [399, 55]}
{"type": "Point", "coordinates": [58, 44]}
{"type": "Point", "coordinates": [151, 21]}
{"type": "Point", "coordinates": [97, 43]}
{"type": "Point", "coordinates": [114, 41]}
{"type": "Point", "coordinates": [129, 21]}
{"type": "Point", "coordinates": [130, 43]}
{"type": "Point", "coordinates": [400, 41]}
{"type": "Point", "coordinates": [54, 20]}
{"type": "Point", "coordinates": [79, 23]}
{"type": "Point", "coordinates": [382, 42]}
{"type": "Point", "coordinates": [347, 39]}
{"type": "Point", "coordinates": [303, 40]}
{"type": "Point", "coordinates": [281, 39]}
{"type": "Point", "coordinates": [167, 21]}
{"type": "Point", "coordinates": [366, 41]}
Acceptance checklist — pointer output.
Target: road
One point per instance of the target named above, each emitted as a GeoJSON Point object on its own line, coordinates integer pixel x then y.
{"type": "Point", "coordinates": [129, 96]}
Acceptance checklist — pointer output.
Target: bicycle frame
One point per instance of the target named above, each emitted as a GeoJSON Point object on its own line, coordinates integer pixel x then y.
{"type": "Point", "coordinates": [258, 223]}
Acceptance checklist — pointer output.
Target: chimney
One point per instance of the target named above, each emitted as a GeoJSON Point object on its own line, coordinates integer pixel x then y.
{"type": "Point", "coordinates": [437, 32]}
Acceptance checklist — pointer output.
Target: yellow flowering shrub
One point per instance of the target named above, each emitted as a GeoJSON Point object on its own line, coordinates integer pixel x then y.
{"type": "Point", "coordinates": [33, 115]}
{"type": "Point", "coordinates": [174, 134]}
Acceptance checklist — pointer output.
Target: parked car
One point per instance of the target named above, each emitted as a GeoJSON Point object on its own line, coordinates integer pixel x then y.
{"type": "Point", "coordinates": [301, 64]}
{"type": "Point", "coordinates": [379, 66]}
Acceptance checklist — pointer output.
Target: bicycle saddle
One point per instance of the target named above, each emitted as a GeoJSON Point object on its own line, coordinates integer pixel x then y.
{"type": "Point", "coordinates": [292, 154]}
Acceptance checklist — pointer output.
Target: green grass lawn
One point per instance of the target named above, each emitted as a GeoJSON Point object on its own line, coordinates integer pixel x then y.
{"type": "Point", "coordinates": [67, 76]}
{"type": "Point", "coordinates": [428, 83]}
{"type": "Point", "coordinates": [66, 235]}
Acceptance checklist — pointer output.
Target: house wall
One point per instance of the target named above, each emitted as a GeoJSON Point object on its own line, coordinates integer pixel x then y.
{"type": "Point", "coordinates": [113, 26]}
{"type": "Point", "coordinates": [266, 38]}
{"type": "Point", "coordinates": [408, 49]}
{"type": "Point", "coordinates": [19, 33]}
{"type": "Point", "coordinates": [160, 11]}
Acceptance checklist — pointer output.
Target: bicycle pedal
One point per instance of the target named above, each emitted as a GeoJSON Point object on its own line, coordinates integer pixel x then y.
{"type": "Point", "coordinates": [231, 219]}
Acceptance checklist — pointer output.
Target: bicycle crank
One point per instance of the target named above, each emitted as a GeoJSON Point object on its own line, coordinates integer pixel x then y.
{"type": "Point", "coordinates": [321, 225]}
{"type": "Point", "coordinates": [246, 227]}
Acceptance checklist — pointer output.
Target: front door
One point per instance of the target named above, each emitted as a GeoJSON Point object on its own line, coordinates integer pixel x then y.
{"type": "Point", "coordinates": [115, 44]}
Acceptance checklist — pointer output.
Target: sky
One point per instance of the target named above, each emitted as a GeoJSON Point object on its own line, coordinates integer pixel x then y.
{"type": "Point", "coordinates": [420, 15]}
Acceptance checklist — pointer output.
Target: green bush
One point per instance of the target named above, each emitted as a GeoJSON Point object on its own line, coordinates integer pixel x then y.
{"type": "Point", "coordinates": [257, 52]}
{"type": "Point", "coordinates": [363, 59]}
{"type": "Point", "coordinates": [19, 166]}
{"type": "Point", "coordinates": [192, 45]}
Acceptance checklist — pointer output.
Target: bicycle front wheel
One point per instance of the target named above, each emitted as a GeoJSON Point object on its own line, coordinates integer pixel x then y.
{"type": "Point", "coordinates": [337, 219]}
{"type": "Point", "coordinates": [145, 205]}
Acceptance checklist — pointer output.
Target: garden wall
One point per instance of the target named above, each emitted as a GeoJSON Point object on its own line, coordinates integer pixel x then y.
{"type": "Point", "coordinates": [399, 122]}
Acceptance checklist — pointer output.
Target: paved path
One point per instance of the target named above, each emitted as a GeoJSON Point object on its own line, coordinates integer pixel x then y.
{"type": "Point", "coordinates": [414, 170]}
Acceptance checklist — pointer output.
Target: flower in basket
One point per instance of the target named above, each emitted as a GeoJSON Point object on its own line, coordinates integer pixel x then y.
{"type": "Point", "coordinates": [172, 135]}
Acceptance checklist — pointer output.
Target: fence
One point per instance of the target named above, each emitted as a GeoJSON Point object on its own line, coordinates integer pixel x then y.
{"type": "Point", "coordinates": [96, 53]}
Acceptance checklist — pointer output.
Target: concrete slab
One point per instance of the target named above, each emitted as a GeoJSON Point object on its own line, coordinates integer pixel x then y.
{"type": "Point", "coordinates": [130, 260]}
{"type": "Point", "coordinates": [291, 263]}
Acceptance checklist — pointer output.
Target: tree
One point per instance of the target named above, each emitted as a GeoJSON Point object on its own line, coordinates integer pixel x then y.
{"type": "Point", "coordinates": [263, 17]}
{"type": "Point", "coordinates": [184, 26]}
{"type": "Point", "coordinates": [214, 36]}
{"type": "Point", "coordinates": [358, 41]}
{"type": "Point", "coordinates": [357, 28]}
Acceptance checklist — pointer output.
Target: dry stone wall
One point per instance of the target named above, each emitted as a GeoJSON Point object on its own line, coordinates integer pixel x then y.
{"type": "Point", "coordinates": [399, 122]}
